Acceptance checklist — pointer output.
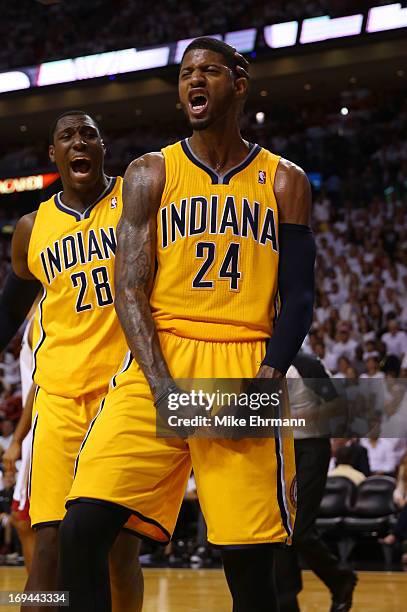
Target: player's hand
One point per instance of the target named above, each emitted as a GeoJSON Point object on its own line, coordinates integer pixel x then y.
{"type": "Point", "coordinates": [180, 413]}
{"type": "Point", "coordinates": [11, 455]}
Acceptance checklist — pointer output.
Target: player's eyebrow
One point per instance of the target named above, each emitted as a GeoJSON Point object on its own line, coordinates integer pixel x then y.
{"type": "Point", "coordinates": [67, 128]}
{"type": "Point", "coordinates": [191, 67]}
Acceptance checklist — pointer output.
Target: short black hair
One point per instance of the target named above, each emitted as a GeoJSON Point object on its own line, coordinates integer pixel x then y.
{"type": "Point", "coordinates": [68, 114]}
{"type": "Point", "coordinates": [233, 59]}
{"type": "Point", "coordinates": [344, 456]}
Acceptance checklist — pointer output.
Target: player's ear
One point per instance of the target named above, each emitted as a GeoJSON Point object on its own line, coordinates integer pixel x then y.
{"type": "Point", "coordinates": [242, 88]}
{"type": "Point", "coordinates": [103, 146]}
{"type": "Point", "coordinates": [51, 153]}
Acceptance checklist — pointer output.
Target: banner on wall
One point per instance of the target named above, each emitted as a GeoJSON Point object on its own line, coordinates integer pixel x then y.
{"type": "Point", "coordinates": [27, 183]}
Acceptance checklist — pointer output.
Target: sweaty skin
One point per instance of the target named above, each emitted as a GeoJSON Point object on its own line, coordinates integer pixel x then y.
{"type": "Point", "coordinates": [217, 141]}
{"type": "Point", "coordinates": [134, 265]}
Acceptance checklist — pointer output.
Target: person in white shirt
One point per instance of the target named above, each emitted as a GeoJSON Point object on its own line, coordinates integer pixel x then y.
{"type": "Point", "coordinates": [343, 367]}
{"type": "Point", "coordinates": [344, 345]}
{"type": "Point", "coordinates": [329, 360]}
{"type": "Point", "coordinates": [351, 308]}
{"type": "Point", "coordinates": [395, 340]}
{"type": "Point", "coordinates": [322, 311]}
{"type": "Point", "coordinates": [372, 366]}
{"type": "Point", "coordinates": [389, 301]}
{"type": "Point", "coordinates": [381, 453]}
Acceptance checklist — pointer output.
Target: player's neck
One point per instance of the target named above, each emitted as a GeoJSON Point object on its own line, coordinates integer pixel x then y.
{"type": "Point", "coordinates": [219, 149]}
{"type": "Point", "coordinates": [81, 198]}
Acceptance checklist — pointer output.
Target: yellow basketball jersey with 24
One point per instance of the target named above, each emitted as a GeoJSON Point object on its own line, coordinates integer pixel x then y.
{"type": "Point", "coordinates": [217, 248]}
{"type": "Point", "coordinates": [78, 343]}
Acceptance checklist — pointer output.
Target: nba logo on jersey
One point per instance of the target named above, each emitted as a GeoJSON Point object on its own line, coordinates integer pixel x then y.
{"type": "Point", "coordinates": [262, 177]}
{"type": "Point", "coordinates": [113, 203]}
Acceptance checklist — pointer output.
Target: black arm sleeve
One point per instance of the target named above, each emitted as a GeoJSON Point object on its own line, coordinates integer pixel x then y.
{"type": "Point", "coordinates": [16, 300]}
{"type": "Point", "coordinates": [315, 376]}
{"type": "Point", "coordinates": [296, 289]}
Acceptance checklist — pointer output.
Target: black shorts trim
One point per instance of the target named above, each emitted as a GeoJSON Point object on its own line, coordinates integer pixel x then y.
{"type": "Point", "coordinates": [45, 524]}
{"type": "Point", "coordinates": [146, 519]}
{"type": "Point", "coordinates": [246, 546]}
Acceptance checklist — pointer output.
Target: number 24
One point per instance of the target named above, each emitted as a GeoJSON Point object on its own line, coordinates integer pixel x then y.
{"type": "Point", "coordinates": [229, 268]}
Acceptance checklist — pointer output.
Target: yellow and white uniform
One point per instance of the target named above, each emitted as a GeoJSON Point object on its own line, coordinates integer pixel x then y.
{"type": "Point", "coordinates": [78, 342]}
{"type": "Point", "coordinates": [213, 305]}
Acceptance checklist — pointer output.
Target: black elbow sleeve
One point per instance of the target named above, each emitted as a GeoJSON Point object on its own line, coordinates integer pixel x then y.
{"type": "Point", "coordinates": [16, 300]}
{"type": "Point", "coordinates": [296, 286]}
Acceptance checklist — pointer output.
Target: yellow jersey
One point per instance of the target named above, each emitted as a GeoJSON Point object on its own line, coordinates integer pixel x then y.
{"type": "Point", "coordinates": [78, 342]}
{"type": "Point", "coordinates": [217, 248]}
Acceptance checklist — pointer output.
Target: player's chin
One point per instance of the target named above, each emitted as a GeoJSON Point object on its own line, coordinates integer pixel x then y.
{"type": "Point", "coordinates": [198, 124]}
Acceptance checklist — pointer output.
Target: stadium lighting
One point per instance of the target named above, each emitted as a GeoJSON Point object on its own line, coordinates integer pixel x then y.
{"type": "Point", "coordinates": [278, 35]}
{"type": "Point", "coordinates": [317, 29]}
{"type": "Point", "coordinates": [388, 17]}
{"type": "Point", "coordinates": [344, 111]}
{"type": "Point", "coordinates": [13, 81]}
{"type": "Point", "coordinates": [260, 117]}
{"type": "Point", "coordinates": [281, 34]}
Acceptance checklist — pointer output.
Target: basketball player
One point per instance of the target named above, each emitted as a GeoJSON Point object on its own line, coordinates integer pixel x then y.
{"type": "Point", "coordinates": [68, 247]}
{"type": "Point", "coordinates": [209, 209]}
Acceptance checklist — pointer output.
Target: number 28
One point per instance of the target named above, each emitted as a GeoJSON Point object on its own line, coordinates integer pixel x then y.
{"type": "Point", "coordinates": [101, 284]}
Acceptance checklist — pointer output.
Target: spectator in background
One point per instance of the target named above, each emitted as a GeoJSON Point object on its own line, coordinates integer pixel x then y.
{"type": "Point", "coordinates": [329, 360]}
{"type": "Point", "coordinates": [382, 454]}
{"type": "Point", "coordinates": [359, 457]}
{"type": "Point", "coordinates": [6, 498]}
{"type": "Point", "coordinates": [395, 340]}
{"type": "Point", "coordinates": [344, 466]}
{"type": "Point", "coordinates": [344, 344]}
{"type": "Point", "coordinates": [399, 533]}
{"type": "Point", "coordinates": [7, 429]}
{"type": "Point", "coordinates": [343, 366]}
{"type": "Point", "coordinates": [372, 365]}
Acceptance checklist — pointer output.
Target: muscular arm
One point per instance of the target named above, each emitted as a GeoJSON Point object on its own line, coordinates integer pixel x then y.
{"type": "Point", "coordinates": [296, 269]}
{"type": "Point", "coordinates": [21, 287]}
{"type": "Point", "coordinates": [135, 264]}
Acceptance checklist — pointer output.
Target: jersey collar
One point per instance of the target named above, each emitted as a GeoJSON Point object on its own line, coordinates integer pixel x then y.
{"type": "Point", "coordinates": [85, 214]}
{"type": "Point", "coordinates": [220, 179]}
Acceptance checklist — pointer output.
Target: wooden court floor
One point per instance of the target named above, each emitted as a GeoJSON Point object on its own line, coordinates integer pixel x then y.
{"type": "Point", "coordinates": [173, 590]}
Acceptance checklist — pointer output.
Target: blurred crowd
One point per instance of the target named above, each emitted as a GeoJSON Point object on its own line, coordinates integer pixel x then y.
{"type": "Point", "coordinates": [33, 31]}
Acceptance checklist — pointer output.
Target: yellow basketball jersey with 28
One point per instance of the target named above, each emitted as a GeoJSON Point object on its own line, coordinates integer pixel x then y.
{"type": "Point", "coordinates": [79, 343]}
{"type": "Point", "coordinates": [217, 248]}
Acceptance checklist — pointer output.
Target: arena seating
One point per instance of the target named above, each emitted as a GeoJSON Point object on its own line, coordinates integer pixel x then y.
{"type": "Point", "coordinates": [349, 513]}
{"type": "Point", "coordinates": [336, 503]}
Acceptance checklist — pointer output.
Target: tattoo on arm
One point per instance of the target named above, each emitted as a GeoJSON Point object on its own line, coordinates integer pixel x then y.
{"type": "Point", "coordinates": [135, 266]}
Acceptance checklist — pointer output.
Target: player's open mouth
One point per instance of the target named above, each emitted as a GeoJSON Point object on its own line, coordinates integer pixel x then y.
{"type": "Point", "coordinates": [198, 103]}
{"type": "Point", "coordinates": [81, 165]}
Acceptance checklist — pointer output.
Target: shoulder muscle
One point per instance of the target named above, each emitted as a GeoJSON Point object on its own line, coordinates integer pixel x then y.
{"type": "Point", "coordinates": [293, 193]}
{"type": "Point", "coordinates": [20, 244]}
{"type": "Point", "coordinates": [143, 186]}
